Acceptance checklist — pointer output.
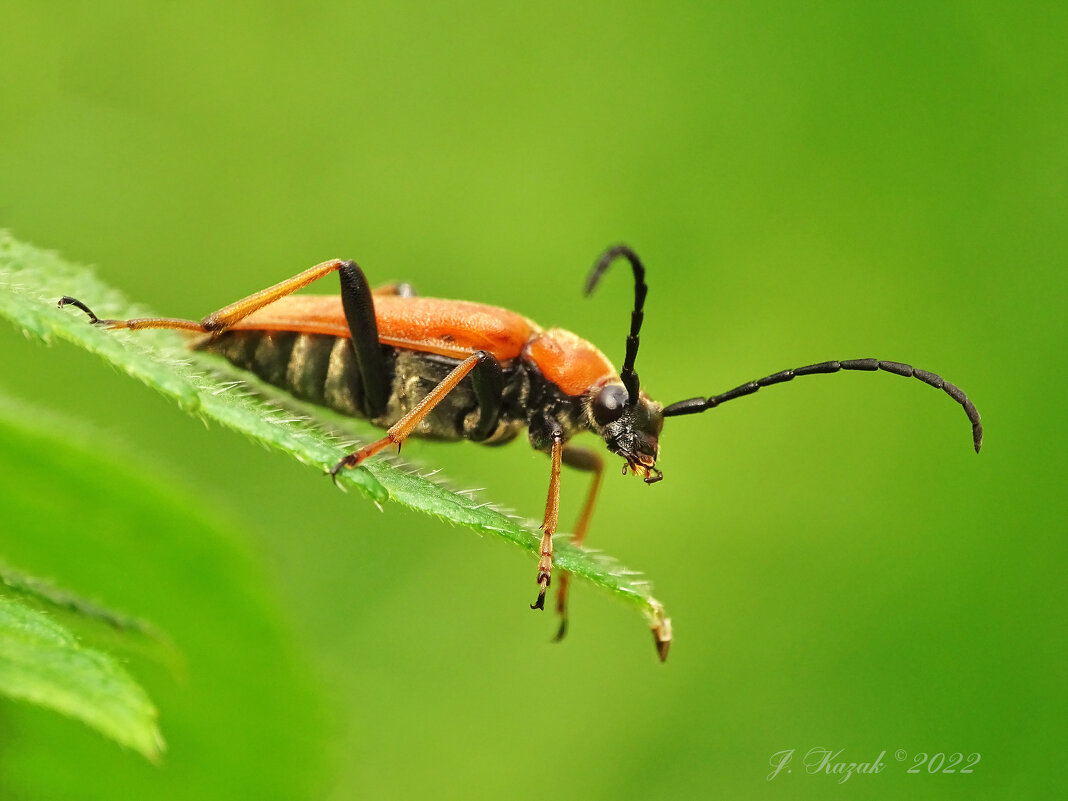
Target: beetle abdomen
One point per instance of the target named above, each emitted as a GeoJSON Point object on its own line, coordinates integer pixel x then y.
{"type": "Point", "coordinates": [317, 368]}
{"type": "Point", "coordinates": [321, 369]}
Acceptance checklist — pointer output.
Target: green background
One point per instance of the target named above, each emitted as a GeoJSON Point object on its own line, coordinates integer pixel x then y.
{"type": "Point", "coordinates": [804, 182]}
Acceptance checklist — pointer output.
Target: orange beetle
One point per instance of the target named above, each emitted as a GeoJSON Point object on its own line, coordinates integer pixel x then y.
{"type": "Point", "coordinates": [454, 370]}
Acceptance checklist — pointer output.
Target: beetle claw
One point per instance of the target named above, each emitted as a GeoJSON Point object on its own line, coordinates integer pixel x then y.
{"type": "Point", "coordinates": [349, 461]}
{"type": "Point", "coordinates": [662, 637]}
{"type": "Point", "coordinates": [540, 603]}
{"type": "Point", "coordinates": [66, 300]}
{"type": "Point", "coordinates": [333, 478]}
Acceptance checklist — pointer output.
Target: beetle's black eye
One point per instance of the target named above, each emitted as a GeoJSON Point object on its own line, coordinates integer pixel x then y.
{"type": "Point", "coordinates": [608, 404]}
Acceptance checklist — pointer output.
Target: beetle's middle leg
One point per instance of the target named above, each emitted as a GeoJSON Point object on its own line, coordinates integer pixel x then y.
{"type": "Point", "coordinates": [483, 362]}
{"type": "Point", "coordinates": [589, 461]}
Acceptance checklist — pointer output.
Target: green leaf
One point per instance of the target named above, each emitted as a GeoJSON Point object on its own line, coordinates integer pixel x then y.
{"type": "Point", "coordinates": [46, 592]}
{"type": "Point", "coordinates": [32, 281]}
{"type": "Point", "coordinates": [42, 662]}
{"type": "Point", "coordinates": [239, 704]}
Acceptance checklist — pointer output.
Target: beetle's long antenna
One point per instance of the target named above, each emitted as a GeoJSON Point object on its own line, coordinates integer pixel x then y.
{"type": "Point", "coordinates": [696, 405]}
{"type": "Point", "coordinates": [627, 374]}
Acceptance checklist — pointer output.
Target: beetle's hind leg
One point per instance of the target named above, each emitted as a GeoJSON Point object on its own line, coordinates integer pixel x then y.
{"type": "Point", "coordinates": [356, 299]}
{"type": "Point", "coordinates": [148, 322]}
{"type": "Point", "coordinates": [219, 321]}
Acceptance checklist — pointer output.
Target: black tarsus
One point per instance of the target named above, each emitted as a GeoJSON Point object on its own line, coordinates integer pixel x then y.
{"type": "Point", "coordinates": [348, 461]}
{"type": "Point", "coordinates": [359, 305]}
{"type": "Point", "coordinates": [697, 405]}
{"type": "Point", "coordinates": [627, 374]}
{"type": "Point", "coordinates": [69, 301]}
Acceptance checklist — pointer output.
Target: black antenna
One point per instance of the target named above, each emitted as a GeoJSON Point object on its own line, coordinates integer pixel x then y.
{"type": "Point", "coordinates": [697, 405]}
{"type": "Point", "coordinates": [627, 374]}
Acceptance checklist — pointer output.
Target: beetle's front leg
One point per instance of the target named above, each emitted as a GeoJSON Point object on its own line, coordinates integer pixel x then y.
{"type": "Point", "coordinates": [552, 512]}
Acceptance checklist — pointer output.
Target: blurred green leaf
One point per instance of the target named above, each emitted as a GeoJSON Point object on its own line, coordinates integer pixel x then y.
{"type": "Point", "coordinates": [32, 280]}
{"type": "Point", "coordinates": [232, 685]}
{"type": "Point", "coordinates": [48, 593]}
{"type": "Point", "coordinates": [229, 679]}
{"type": "Point", "coordinates": [42, 662]}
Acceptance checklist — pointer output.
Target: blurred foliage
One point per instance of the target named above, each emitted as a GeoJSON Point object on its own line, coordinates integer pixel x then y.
{"type": "Point", "coordinates": [804, 182]}
{"type": "Point", "coordinates": [43, 663]}
{"type": "Point", "coordinates": [223, 672]}
{"type": "Point", "coordinates": [47, 594]}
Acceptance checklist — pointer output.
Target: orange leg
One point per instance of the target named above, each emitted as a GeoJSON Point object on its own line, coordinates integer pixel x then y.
{"type": "Point", "coordinates": [548, 525]}
{"type": "Point", "coordinates": [220, 320]}
{"type": "Point", "coordinates": [580, 459]}
{"type": "Point", "coordinates": [402, 429]}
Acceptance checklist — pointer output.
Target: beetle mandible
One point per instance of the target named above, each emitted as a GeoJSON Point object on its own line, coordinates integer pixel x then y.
{"type": "Point", "coordinates": [455, 370]}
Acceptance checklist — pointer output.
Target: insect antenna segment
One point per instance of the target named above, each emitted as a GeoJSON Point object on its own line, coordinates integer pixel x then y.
{"type": "Point", "coordinates": [637, 315]}
{"type": "Point", "coordinates": [697, 405]}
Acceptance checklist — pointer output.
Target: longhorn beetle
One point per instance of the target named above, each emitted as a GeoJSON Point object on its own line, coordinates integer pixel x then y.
{"type": "Point", "coordinates": [455, 370]}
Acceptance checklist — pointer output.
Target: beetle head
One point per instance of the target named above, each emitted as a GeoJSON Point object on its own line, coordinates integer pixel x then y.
{"type": "Point", "coordinates": [630, 430]}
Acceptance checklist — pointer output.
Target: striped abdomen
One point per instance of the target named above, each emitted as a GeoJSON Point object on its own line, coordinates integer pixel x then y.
{"type": "Point", "coordinates": [321, 369]}
{"type": "Point", "coordinates": [317, 368]}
